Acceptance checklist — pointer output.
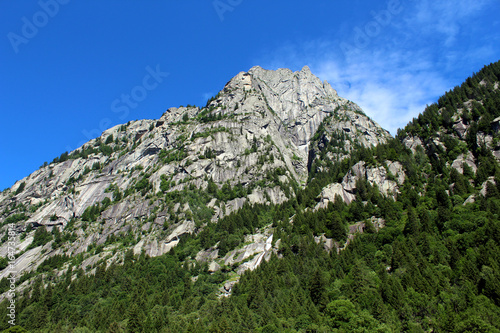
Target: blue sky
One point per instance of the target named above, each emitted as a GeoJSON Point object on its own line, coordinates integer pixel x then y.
{"type": "Point", "coordinates": [67, 66]}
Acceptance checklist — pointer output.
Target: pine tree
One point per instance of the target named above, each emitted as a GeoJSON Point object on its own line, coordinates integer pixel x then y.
{"type": "Point", "coordinates": [135, 319]}
{"type": "Point", "coordinates": [412, 226]}
{"type": "Point", "coordinates": [317, 289]}
{"type": "Point", "coordinates": [115, 328]}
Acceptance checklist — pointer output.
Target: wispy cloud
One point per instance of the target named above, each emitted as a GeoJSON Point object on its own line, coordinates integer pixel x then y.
{"type": "Point", "coordinates": [406, 65]}
{"type": "Point", "coordinates": [391, 85]}
{"type": "Point", "coordinates": [391, 88]}
{"type": "Point", "coordinates": [447, 18]}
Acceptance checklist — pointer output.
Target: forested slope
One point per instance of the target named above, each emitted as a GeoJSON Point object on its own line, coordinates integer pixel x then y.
{"type": "Point", "coordinates": [434, 266]}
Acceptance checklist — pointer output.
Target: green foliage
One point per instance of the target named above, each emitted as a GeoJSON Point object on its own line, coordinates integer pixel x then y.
{"type": "Point", "coordinates": [143, 185]}
{"type": "Point", "coordinates": [3, 263]}
{"type": "Point", "coordinates": [206, 115]}
{"type": "Point", "coordinates": [52, 263]}
{"type": "Point", "coordinates": [172, 155]}
{"type": "Point", "coordinates": [117, 195]}
{"type": "Point", "coordinates": [105, 150]}
{"type": "Point", "coordinates": [164, 183]}
{"type": "Point", "coordinates": [208, 132]}
{"type": "Point", "coordinates": [20, 188]}
{"type": "Point", "coordinates": [231, 229]}
{"type": "Point", "coordinates": [91, 213]}
{"type": "Point", "coordinates": [439, 114]}
{"type": "Point", "coordinates": [64, 157]}
{"type": "Point", "coordinates": [109, 139]}
{"type": "Point", "coordinates": [15, 329]}
{"type": "Point", "coordinates": [209, 153]}
{"type": "Point", "coordinates": [434, 267]}
{"type": "Point", "coordinates": [41, 237]}
{"type": "Point", "coordinates": [139, 301]}
{"type": "Point", "coordinates": [14, 218]}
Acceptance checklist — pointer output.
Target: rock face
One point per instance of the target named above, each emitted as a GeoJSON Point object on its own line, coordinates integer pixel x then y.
{"type": "Point", "coordinates": [412, 143]}
{"type": "Point", "coordinates": [354, 229]}
{"type": "Point", "coordinates": [386, 177]}
{"type": "Point", "coordinates": [300, 100]}
{"type": "Point", "coordinates": [460, 128]}
{"type": "Point", "coordinates": [148, 182]}
{"type": "Point", "coordinates": [259, 247]}
{"type": "Point", "coordinates": [467, 159]}
{"type": "Point", "coordinates": [331, 192]}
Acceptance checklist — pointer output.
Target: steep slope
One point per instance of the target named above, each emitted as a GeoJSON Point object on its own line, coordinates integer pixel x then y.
{"type": "Point", "coordinates": [419, 213]}
{"type": "Point", "coordinates": [144, 184]}
{"type": "Point", "coordinates": [462, 129]}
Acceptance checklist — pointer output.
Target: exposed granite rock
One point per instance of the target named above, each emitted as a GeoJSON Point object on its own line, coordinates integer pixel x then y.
{"type": "Point", "coordinates": [484, 185]}
{"type": "Point", "coordinates": [496, 153]}
{"type": "Point", "coordinates": [330, 192]}
{"type": "Point", "coordinates": [359, 228]}
{"type": "Point", "coordinates": [378, 176]}
{"type": "Point", "coordinates": [495, 124]}
{"type": "Point", "coordinates": [213, 267]}
{"type": "Point", "coordinates": [412, 143]}
{"type": "Point", "coordinates": [461, 129]}
{"type": "Point", "coordinates": [255, 135]}
{"type": "Point", "coordinates": [470, 199]}
{"type": "Point", "coordinates": [328, 243]}
{"type": "Point", "coordinates": [207, 255]}
{"type": "Point", "coordinates": [464, 158]}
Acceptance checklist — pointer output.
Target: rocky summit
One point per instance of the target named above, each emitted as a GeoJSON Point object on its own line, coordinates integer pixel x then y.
{"type": "Point", "coordinates": [277, 206]}
{"type": "Point", "coordinates": [252, 143]}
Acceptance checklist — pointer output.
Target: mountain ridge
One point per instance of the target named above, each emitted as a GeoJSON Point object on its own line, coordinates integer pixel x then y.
{"type": "Point", "coordinates": [253, 137]}
{"type": "Point", "coordinates": [231, 222]}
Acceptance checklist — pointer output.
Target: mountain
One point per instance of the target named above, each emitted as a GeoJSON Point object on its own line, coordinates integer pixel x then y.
{"type": "Point", "coordinates": [158, 179]}
{"type": "Point", "coordinates": [278, 206]}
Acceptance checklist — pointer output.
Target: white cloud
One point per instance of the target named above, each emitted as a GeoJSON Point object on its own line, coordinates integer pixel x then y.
{"type": "Point", "coordinates": [391, 85]}
{"type": "Point", "coordinates": [390, 88]}
{"type": "Point", "coordinates": [408, 64]}
{"type": "Point", "coordinates": [445, 17]}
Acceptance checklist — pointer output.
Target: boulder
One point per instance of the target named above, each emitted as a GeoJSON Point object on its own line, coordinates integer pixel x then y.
{"type": "Point", "coordinates": [467, 158]}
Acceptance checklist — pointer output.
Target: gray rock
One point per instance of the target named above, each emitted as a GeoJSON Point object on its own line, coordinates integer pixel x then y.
{"type": "Point", "coordinates": [461, 159]}
{"type": "Point", "coordinates": [375, 176]}
{"type": "Point", "coordinates": [461, 129]}
{"type": "Point", "coordinates": [495, 124]}
{"type": "Point", "coordinates": [213, 267]}
{"type": "Point", "coordinates": [330, 192]}
{"type": "Point", "coordinates": [328, 243]}
{"type": "Point", "coordinates": [470, 199]}
{"type": "Point", "coordinates": [260, 125]}
{"type": "Point", "coordinates": [412, 143]}
{"type": "Point", "coordinates": [484, 185]}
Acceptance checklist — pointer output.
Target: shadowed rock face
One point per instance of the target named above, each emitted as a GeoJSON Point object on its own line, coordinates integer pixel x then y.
{"type": "Point", "coordinates": [379, 176]}
{"type": "Point", "coordinates": [255, 135]}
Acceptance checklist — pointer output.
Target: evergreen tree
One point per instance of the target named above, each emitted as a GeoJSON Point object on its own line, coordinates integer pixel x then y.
{"type": "Point", "coordinates": [135, 319]}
